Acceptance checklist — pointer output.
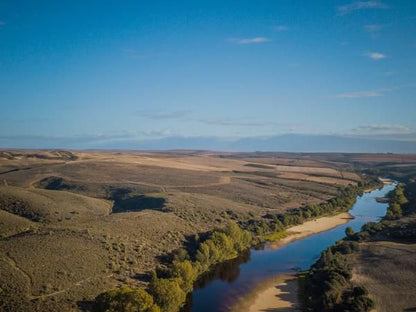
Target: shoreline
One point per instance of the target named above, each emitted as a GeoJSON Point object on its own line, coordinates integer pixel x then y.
{"type": "Point", "coordinates": [311, 227]}
{"type": "Point", "coordinates": [280, 292]}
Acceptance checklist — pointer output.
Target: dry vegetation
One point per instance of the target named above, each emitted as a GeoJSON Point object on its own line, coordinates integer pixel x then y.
{"type": "Point", "coordinates": [370, 270]}
{"type": "Point", "coordinates": [388, 271]}
{"type": "Point", "coordinates": [76, 224]}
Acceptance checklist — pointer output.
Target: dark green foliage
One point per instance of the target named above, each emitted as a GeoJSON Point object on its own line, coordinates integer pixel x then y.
{"type": "Point", "coordinates": [345, 247]}
{"type": "Point", "coordinates": [397, 200]}
{"type": "Point", "coordinates": [272, 223]}
{"type": "Point", "coordinates": [349, 231]}
{"type": "Point", "coordinates": [372, 227]}
{"type": "Point", "coordinates": [328, 281]}
{"type": "Point", "coordinates": [357, 300]}
{"type": "Point", "coordinates": [404, 231]}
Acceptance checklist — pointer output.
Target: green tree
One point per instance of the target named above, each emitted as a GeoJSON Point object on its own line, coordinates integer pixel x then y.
{"type": "Point", "coordinates": [168, 294]}
{"type": "Point", "coordinates": [225, 246]}
{"type": "Point", "coordinates": [394, 211]}
{"type": "Point", "coordinates": [125, 299]}
{"type": "Point", "coordinates": [186, 272]}
{"type": "Point", "coordinates": [349, 231]}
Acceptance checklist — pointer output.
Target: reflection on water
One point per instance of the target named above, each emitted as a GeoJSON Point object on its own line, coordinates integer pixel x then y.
{"type": "Point", "coordinates": [216, 290]}
{"type": "Point", "coordinates": [227, 271]}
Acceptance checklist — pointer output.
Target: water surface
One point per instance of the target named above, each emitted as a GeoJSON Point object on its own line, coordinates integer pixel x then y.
{"type": "Point", "coordinates": [221, 287]}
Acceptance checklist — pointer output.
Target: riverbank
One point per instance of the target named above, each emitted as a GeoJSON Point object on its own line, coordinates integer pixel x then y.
{"type": "Point", "coordinates": [282, 294]}
{"type": "Point", "coordinates": [386, 181]}
{"type": "Point", "coordinates": [311, 227]}
{"type": "Point", "coordinates": [281, 291]}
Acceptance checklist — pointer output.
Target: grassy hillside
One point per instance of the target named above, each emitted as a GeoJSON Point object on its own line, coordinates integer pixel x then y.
{"type": "Point", "coordinates": [79, 223]}
{"type": "Point", "coordinates": [50, 206]}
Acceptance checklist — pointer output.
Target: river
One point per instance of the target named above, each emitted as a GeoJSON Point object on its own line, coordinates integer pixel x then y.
{"type": "Point", "coordinates": [218, 290]}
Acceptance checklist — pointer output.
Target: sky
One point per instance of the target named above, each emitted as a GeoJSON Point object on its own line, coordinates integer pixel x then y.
{"type": "Point", "coordinates": [86, 74]}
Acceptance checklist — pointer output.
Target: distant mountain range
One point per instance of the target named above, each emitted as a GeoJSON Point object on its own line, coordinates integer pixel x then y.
{"type": "Point", "coordinates": [283, 143]}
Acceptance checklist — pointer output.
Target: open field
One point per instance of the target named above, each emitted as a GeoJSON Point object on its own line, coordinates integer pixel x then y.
{"type": "Point", "coordinates": [74, 224]}
{"type": "Point", "coordinates": [388, 271]}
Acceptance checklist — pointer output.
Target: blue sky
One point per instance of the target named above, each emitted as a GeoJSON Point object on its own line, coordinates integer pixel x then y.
{"type": "Point", "coordinates": [140, 70]}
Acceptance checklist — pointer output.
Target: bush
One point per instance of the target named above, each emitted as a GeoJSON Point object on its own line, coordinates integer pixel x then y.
{"type": "Point", "coordinates": [329, 281]}
{"type": "Point", "coordinates": [125, 299]}
{"type": "Point", "coordinates": [168, 294]}
{"type": "Point", "coordinates": [186, 272]}
{"type": "Point", "coordinates": [349, 231]}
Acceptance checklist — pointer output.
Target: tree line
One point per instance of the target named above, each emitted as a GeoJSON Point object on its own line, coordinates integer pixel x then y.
{"type": "Point", "coordinates": [167, 293]}
{"type": "Point", "coordinates": [328, 284]}
{"type": "Point", "coordinates": [168, 289]}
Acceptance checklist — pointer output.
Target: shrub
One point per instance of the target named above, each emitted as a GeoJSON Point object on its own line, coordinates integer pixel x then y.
{"type": "Point", "coordinates": [349, 231]}
{"type": "Point", "coordinates": [168, 294]}
{"type": "Point", "coordinates": [186, 272]}
{"type": "Point", "coordinates": [125, 299]}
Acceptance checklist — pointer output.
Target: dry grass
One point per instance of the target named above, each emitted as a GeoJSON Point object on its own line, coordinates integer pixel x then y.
{"type": "Point", "coordinates": [11, 224]}
{"type": "Point", "coordinates": [51, 206]}
{"type": "Point", "coordinates": [388, 271]}
{"type": "Point", "coordinates": [76, 248]}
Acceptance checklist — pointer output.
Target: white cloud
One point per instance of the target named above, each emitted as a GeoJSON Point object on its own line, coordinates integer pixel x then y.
{"type": "Point", "coordinates": [355, 6]}
{"type": "Point", "coordinates": [381, 129]}
{"type": "Point", "coordinates": [228, 122]}
{"type": "Point", "coordinates": [375, 93]}
{"type": "Point", "coordinates": [376, 55]}
{"type": "Point", "coordinates": [157, 115]}
{"type": "Point", "coordinates": [280, 28]}
{"type": "Point", "coordinates": [249, 40]}
{"type": "Point", "coordinates": [360, 94]}
{"type": "Point", "coordinates": [373, 29]}
{"type": "Point", "coordinates": [240, 122]}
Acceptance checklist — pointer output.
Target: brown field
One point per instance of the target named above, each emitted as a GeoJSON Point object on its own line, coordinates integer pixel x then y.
{"type": "Point", "coordinates": [388, 270]}
{"type": "Point", "coordinates": [74, 224]}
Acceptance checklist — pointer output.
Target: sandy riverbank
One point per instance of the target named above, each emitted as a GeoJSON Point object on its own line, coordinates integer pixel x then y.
{"type": "Point", "coordinates": [280, 293]}
{"type": "Point", "coordinates": [312, 227]}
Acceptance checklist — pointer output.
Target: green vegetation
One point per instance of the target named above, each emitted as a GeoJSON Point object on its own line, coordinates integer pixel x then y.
{"type": "Point", "coordinates": [274, 224]}
{"type": "Point", "coordinates": [276, 236]}
{"type": "Point", "coordinates": [397, 200]}
{"type": "Point", "coordinates": [329, 285]}
{"type": "Point", "coordinates": [125, 299]}
{"type": "Point", "coordinates": [169, 292]}
{"type": "Point", "coordinates": [349, 231]}
{"type": "Point", "coordinates": [186, 272]}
